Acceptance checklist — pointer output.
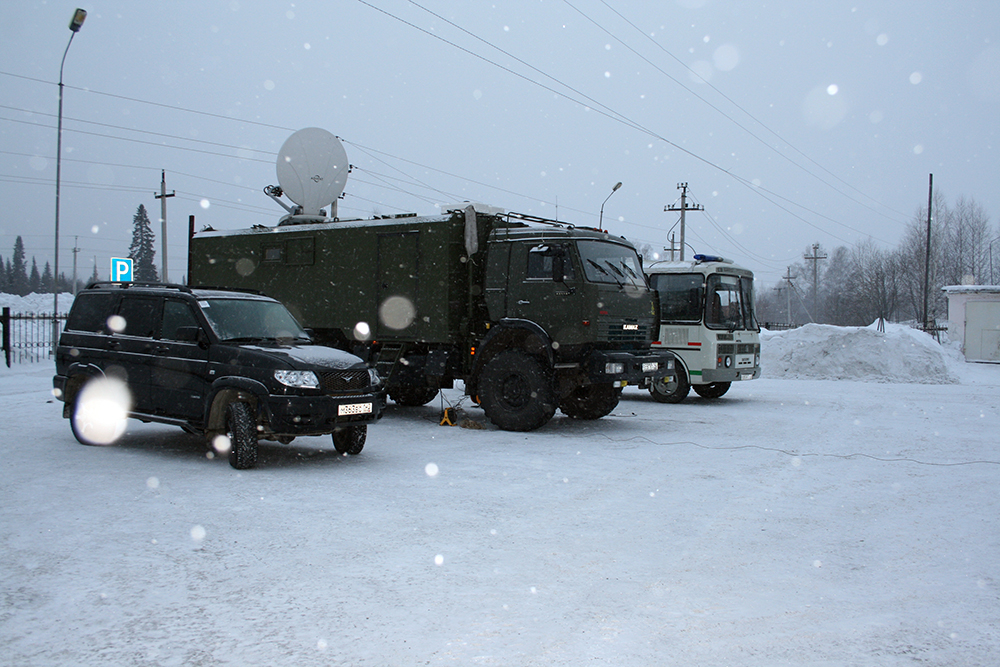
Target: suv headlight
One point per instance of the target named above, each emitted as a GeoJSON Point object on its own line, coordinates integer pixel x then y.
{"type": "Point", "coordinates": [300, 379]}
{"type": "Point", "coordinates": [614, 368]}
{"type": "Point", "coordinates": [373, 376]}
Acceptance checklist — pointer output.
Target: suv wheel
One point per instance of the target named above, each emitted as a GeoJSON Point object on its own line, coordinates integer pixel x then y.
{"type": "Point", "coordinates": [242, 431]}
{"type": "Point", "coordinates": [350, 439]}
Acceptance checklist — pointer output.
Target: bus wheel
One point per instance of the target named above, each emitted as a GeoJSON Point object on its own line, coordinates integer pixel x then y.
{"type": "Point", "coordinates": [713, 390]}
{"type": "Point", "coordinates": [673, 390]}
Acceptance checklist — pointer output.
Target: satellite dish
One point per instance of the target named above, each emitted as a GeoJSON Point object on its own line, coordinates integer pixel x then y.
{"type": "Point", "coordinates": [312, 169]}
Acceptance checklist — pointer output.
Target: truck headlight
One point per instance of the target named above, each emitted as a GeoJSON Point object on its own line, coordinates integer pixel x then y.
{"type": "Point", "coordinates": [373, 376]}
{"type": "Point", "coordinates": [300, 379]}
{"type": "Point", "coordinates": [614, 368]}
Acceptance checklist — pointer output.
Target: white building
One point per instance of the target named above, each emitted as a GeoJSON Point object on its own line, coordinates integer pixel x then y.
{"type": "Point", "coordinates": [974, 319]}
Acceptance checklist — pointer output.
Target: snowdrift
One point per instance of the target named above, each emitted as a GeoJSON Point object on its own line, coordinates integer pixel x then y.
{"type": "Point", "coordinates": [825, 352]}
{"type": "Point", "coordinates": [38, 304]}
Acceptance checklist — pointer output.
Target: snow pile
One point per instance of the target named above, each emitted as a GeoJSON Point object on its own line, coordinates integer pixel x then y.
{"type": "Point", "coordinates": [37, 304]}
{"type": "Point", "coordinates": [826, 352]}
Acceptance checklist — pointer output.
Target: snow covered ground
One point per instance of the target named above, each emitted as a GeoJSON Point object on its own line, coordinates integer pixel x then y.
{"type": "Point", "coordinates": [796, 521]}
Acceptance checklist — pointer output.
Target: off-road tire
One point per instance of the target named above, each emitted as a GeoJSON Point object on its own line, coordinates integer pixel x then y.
{"type": "Point", "coordinates": [413, 396]}
{"type": "Point", "coordinates": [79, 429]}
{"type": "Point", "coordinates": [591, 401]}
{"type": "Point", "coordinates": [241, 427]}
{"type": "Point", "coordinates": [516, 393]}
{"type": "Point", "coordinates": [674, 391]}
{"type": "Point", "coordinates": [713, 390]}
{"type": "Point", "coordinates": [350, 439]}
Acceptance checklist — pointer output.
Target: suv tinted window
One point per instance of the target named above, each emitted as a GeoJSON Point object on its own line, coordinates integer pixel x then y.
{"type": "Point", "coordinates": [90, 312]}
{"type": "Point", "coordinates": [140, 315]}
{"type": "Point", "coordinates": [176, 314]}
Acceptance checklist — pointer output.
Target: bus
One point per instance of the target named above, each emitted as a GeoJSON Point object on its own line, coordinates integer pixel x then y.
{"type": "Point", "coordinates": [707, 320]}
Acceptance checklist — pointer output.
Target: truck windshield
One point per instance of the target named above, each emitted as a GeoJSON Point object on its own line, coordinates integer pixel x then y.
{"type": "Point", "coordinates": [611, 263]}
{"type": "Point", "coordinates": [681, 296]}
{"type": "Point", "coordinates": [251, 320]}
{"type": "Point", "coordinates": [729, 303]}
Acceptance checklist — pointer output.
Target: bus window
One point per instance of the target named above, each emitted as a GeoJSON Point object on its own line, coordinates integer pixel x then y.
{"type": "Point", "coordinates": [681, 296]}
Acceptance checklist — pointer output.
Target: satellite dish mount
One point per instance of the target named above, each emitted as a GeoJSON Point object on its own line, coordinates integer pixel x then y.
{"type": "Point", "coordinates": [312, 171]}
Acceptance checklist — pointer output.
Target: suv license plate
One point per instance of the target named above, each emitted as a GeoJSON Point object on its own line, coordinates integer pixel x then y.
{"type": "Point", "coordinates": [354, 409]}
{"type": "Point", "coordinates": [650, 366]}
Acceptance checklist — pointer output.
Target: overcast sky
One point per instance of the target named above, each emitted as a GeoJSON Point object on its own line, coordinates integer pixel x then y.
{"type": "Point", "coordinates": [792, 122]}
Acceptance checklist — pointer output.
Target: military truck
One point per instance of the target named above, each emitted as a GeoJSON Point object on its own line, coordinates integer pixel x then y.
{"type": "Point", "coordinates": [531, 314]}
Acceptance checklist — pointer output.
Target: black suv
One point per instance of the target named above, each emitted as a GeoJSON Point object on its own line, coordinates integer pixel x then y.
{"type": "Point", "coordinates": [214, 362]}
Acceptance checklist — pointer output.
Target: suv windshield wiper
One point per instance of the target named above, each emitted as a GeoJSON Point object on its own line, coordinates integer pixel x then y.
{"type": "Point", "coordinates": [253, 339]}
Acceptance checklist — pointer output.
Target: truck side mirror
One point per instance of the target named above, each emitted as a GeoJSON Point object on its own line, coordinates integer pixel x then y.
{"type": "Point", "coordinates": [558, 267]}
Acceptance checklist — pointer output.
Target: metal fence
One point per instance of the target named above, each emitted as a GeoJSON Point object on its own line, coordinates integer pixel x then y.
{"type": "Point", "coordinates": [27, 337]}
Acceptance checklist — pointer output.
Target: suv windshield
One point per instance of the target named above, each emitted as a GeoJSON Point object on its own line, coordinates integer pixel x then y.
{"type": "Point", "coordinates": [611, 263]}
{"type": "Point", "coordinates": [250, 319]}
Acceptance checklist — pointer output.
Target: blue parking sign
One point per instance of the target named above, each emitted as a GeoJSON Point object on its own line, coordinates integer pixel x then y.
{"type": "Point", "coordinates": [121, 269]}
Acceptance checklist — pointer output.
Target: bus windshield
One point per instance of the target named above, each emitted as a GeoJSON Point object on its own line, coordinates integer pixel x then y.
{"type": "Point", "coordinates": [729, 303]}
{"type": "Point", "coordinates": [681, 296]}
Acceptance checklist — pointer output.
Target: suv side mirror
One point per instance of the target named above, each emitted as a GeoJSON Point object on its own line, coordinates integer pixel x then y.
{"type": "Point", "coordinates": [193, 334]}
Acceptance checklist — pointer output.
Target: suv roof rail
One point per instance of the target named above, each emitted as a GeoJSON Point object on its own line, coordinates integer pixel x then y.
{"type": "Point", "coordinates": [136, 283]}
{"type": "Point", "coordinates": [245, 290]}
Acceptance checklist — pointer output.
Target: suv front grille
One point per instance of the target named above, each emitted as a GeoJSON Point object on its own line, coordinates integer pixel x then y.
{"type": "Point", "coordinates": [339, 382]}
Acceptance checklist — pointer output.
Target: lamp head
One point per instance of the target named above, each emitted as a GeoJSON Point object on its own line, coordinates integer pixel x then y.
{"type": "Point", "coordinates": [79, 16]}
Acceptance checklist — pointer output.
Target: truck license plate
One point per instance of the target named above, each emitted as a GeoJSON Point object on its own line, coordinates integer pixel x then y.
{"type": "Point", "coordinates": [354, 409]}
{"type": "Point", "coordinates": [650, 366]}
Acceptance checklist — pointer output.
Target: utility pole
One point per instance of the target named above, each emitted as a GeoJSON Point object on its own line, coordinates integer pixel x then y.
{"type": "Point", "coordinates": [815, 260]}
{"type": "Point", "coordinates": [683, 187]}
{"type": "Point", "coordinates": [76, 249]}
{"type": "Point", "coordinates": [788, 278]}
{"type": "Point", "coordinates": [163, 219]}
{"type": "Point", "coordinates": [927, 258]}
{"type": "Point", "coordinates": [672, 247]}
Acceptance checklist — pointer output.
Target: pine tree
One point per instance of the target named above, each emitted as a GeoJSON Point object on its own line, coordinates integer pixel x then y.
{"type": "Point", "coordinates": [141, 251]}
{"type": "Point", "coordinates": [18, 270]}
{"type": "Point", "coordinates": [34, 279]}
{"type": "Point", "coordinates": [3, 277]}
{"type": "Point", "coordinates": [48, 285]}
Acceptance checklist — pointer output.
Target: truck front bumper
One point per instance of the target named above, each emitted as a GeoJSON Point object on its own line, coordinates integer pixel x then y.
{"type": "Point", "coordinates": [629, 368]}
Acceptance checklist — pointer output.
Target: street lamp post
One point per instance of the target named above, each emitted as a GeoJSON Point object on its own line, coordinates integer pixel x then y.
{"type": "Point", "coordinates": [992, 279]}
{"type": "Point", "coordinates": [600, 221]}
{"type": "Point", "coordinates": [74, 25]}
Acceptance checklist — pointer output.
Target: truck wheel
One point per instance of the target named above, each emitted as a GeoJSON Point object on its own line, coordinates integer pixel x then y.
{"type": "Point", "coordinates": [350, 439]}
{"type": "Point", "coordinates": [516, 392]}
{"type": "Point", "coordinates": [591, 401]}
{"type": "Point", "coordinates": [241, 428]}
{"type": "Point", "coordinates": [413, 396]}
{"type": "Point", "coordinates": [713, 390]}
{"type": "Point", "coordinates": [673, 391]}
